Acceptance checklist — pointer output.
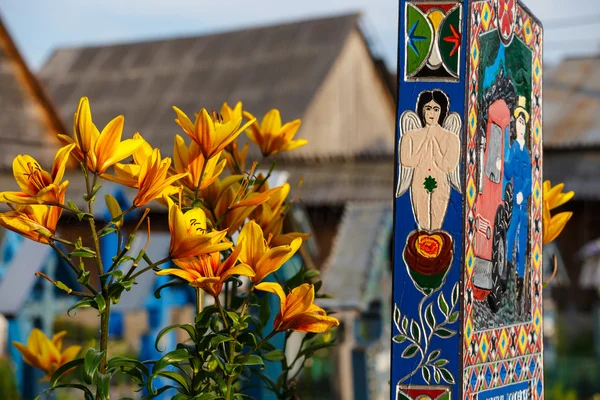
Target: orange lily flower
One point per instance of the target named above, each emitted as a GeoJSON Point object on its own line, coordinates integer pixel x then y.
{"type": "Point", "coordinates": [234, 206]}
{"type": "Point", "coordinates": [211, 133]}
{"type": "Point", "coordinates": [271, 214]}
{"type": "Point", "coordinates": [208, 272]}
{"type": "Point", "coordinates": [151, 178]}
{"type": "Point", "coordinates": [46, 354]}
{"type": "Point", "coordinates": [263, 259]}
{"type": "Point", "coordinates": [231, 114]}
{"type": "Point", "coordinates": [190, 161]}
{"type": "Point", "coordinates": [553, 197]}
{"type": "Point", "coordinates": [189, 237]}
{"type": "Point", "coordinates": [35, 222]}
{"type": "Point", "coordinates": [271, 136]}
{"type": "Point", "coordinates": [298, 311]}
{"type": "Point", "coordinates": [37, 185]}
{"type": "Point", "coordinates": [102, 149]}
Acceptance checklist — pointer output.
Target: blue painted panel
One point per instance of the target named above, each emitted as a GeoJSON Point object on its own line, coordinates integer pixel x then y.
{"type": "Point", "coordinates": [427, 342]}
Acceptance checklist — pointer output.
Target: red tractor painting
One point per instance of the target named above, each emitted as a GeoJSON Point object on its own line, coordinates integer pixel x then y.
{"type": "Point", "coordinates": [493, 208]}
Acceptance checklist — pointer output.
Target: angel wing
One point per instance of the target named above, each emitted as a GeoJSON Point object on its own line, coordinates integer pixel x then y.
{"type": "Point", "coordinates": [409, 121]}
{"type": "Point", "coordinates": [454, 124]}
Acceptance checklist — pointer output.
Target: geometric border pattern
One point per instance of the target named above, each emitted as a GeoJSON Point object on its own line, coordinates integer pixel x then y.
{"type": "Point", "coordinates": [508, 354]}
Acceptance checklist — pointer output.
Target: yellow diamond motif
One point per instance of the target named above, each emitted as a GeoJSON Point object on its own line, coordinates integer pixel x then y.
{"type": "Point", "coordinates": [486, 16]}
{"type": "Point", "coordinates": [522, 340]}
{"type": "Point", "coordinates": [527, 31]}
{"type": "Point", "coordinates": [469, 332]}
{"type": "Point", "coordinates": [484, 347]}
{"type": "Point", "coordinates": [537, 258]}
{"type": "Point", "coordinates": [537, 131]}
{"type": "Point", "coordinates": [470, 261]}
{"type": "Point", "coordinates": [537, 70]}
{"type": "Point", "coordinates": [472, 122]}
{"type": "Point", "coordinates": [475, 53]}
{"type": "Point", "coordinates": [471, 191]}
{"type": "Point", "coordinates": [537, 321]}
{"type": "Point", "coordinates": [503, 342]}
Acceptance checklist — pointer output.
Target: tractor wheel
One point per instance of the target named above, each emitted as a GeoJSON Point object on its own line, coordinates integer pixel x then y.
{"type": "Point", "coordinates": [508, 203]}
{"type": "Point", "coordinates": [498, 261]}
{"type": "Point", "coordinates": [508, 208]}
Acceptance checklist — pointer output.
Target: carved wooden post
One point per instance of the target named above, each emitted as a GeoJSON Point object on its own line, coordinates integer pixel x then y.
{"type": "Point", "coordinates": [467, 236]}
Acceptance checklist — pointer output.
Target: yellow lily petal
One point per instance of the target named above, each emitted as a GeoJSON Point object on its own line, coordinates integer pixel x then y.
{"type": "Point", "coordinates": [299, 300]}
{"type": "Point", "coordinates": [273, 259]}
{"type": "Point", "coordinates": [274, 288]}
{"type": "Point", "coordinates": [84, 127]}
{"type": "Point", "coordinates": [271, 122]}
{"type": "Point", "coordinates": [124, 149]}
{"type": "Point", "coordinates": [185, 275]}
{"type": "Point", "coordinates": [60, 163]}
{"type": "Point", "coordinates": [556, 226]}
{"type": "Point", "coordinates": [313, 323]}
{"type": "Point", "coordinates": [183, 121]}
{"type": "Point", "coordinates": [143, 152]}
{"type": "Point", "coordinates": [254, 243]}
{"type": "Point", "coordinates": [108, 141]}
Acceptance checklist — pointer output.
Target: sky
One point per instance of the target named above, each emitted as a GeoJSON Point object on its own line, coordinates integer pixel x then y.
{"type": "Point", "coordinates": [40, 26]}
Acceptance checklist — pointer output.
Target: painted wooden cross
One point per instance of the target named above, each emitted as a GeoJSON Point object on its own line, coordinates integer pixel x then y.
{"type": "Point", "coordinates": [467, 321]}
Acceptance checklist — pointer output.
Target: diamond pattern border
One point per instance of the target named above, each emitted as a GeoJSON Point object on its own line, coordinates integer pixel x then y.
{"type": "Point", "coordinates": [522, 344]}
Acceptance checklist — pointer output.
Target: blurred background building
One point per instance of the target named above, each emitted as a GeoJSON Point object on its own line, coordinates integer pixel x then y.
{"type": "Point", "coordinates": [336, 73]}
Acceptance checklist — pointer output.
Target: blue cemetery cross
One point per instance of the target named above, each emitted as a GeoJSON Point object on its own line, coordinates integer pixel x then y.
{"type": "Point", "coordinates": [467, 236]}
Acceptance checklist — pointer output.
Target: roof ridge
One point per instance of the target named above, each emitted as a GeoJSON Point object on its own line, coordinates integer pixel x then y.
{"type": "Point", "coordinates": [244, 28]}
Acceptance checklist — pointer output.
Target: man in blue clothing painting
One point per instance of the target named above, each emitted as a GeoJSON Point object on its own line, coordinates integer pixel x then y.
{"type": "Point", "coordinates": [518, 170]}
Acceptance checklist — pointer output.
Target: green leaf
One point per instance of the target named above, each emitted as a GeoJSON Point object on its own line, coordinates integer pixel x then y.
{"type": "Point", "coordinates": [174, 282]}
{"type": "Point", "coordinates": [405, 324]}
{"type": "Point", "coordinates": [122, 362]}
{"type": "Point", "coordinates": [186, 327]}
{"type": "Point", "coordinates": [217, 340]}
{"type": "Point", "coordinates": [399, 338]}
{"type": "Point", "coordinates": [447, 375]}
{"type": "Point", "coordinates": [248, 339]}
{"type": "Point", "coordinates": [85, 303]}
{"type": "Point", "coordinates": [88, 394]}
{"type": "Point", "coordinates": [441, 362]}
{"type": "Point", "coordinates": [254, 360]}
{"type": "Point", "coordinates": [275, 355]}
{"type": "Point", "coordinates": [444, 333]}
{"type": "Point", "coordinates": [430, 184]}
{"type": "Point", "coordinates": [453, 317]}
{"type": "Point", "coordinates": [82, 253]}
{"type": "Point", "coordinates": [430, 316]}
{"type": "Point", "coordinates": [410, 351]}
{"type": "Point", "coordinates": [442, 304]}
{"type": "Point", "coordinates": [176, 377]}
{"type": "Point", "coordinates": [415, 331]}
{"type": "Point", "coordinates": [64, 369]}
{"type": "Point", "coordinates": [84, 278]}
{"type": "Point", "coordinates": [100, 302]}
{"type": "Point", "coordinates": [172, 357]}
{"type": "Point", "coordinates": [311, 273]}
{"type": "Point", "coordinates": [433, 355]}
{"type": "Point", "coordinates": [91, 364]}
{"type": "Point", "coordinates": [117, 273]}
{"type": "Point", "coordinates": [455, 293]}
{"type": "Point", "coordinates": [102, 386]}
{"type": "Point", "coordinates": [233, 315]}
{"type": "Point", "coordinates": [72, 206]}
{"type": "Point", "coordinates": [426, 374]}
{"type": "Point", "coordinates": [206, 396]}
{"type": "Point", "coordinates": [107, 231]}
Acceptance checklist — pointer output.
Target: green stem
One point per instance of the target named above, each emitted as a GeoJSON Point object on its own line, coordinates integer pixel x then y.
{"type": "Point", "coordinates": [149, 267]}
{"type": "Point", "coordinates": [73, 267]}
{"type": "Point", "coordinates": [199, 298]}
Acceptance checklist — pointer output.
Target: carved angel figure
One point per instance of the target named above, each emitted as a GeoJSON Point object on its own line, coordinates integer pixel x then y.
{"type": "Point", "coordinates": [429, 148]}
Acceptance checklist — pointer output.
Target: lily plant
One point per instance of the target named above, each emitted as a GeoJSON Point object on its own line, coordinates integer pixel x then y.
{"type": "Point", "coordinates": [226, 231]}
